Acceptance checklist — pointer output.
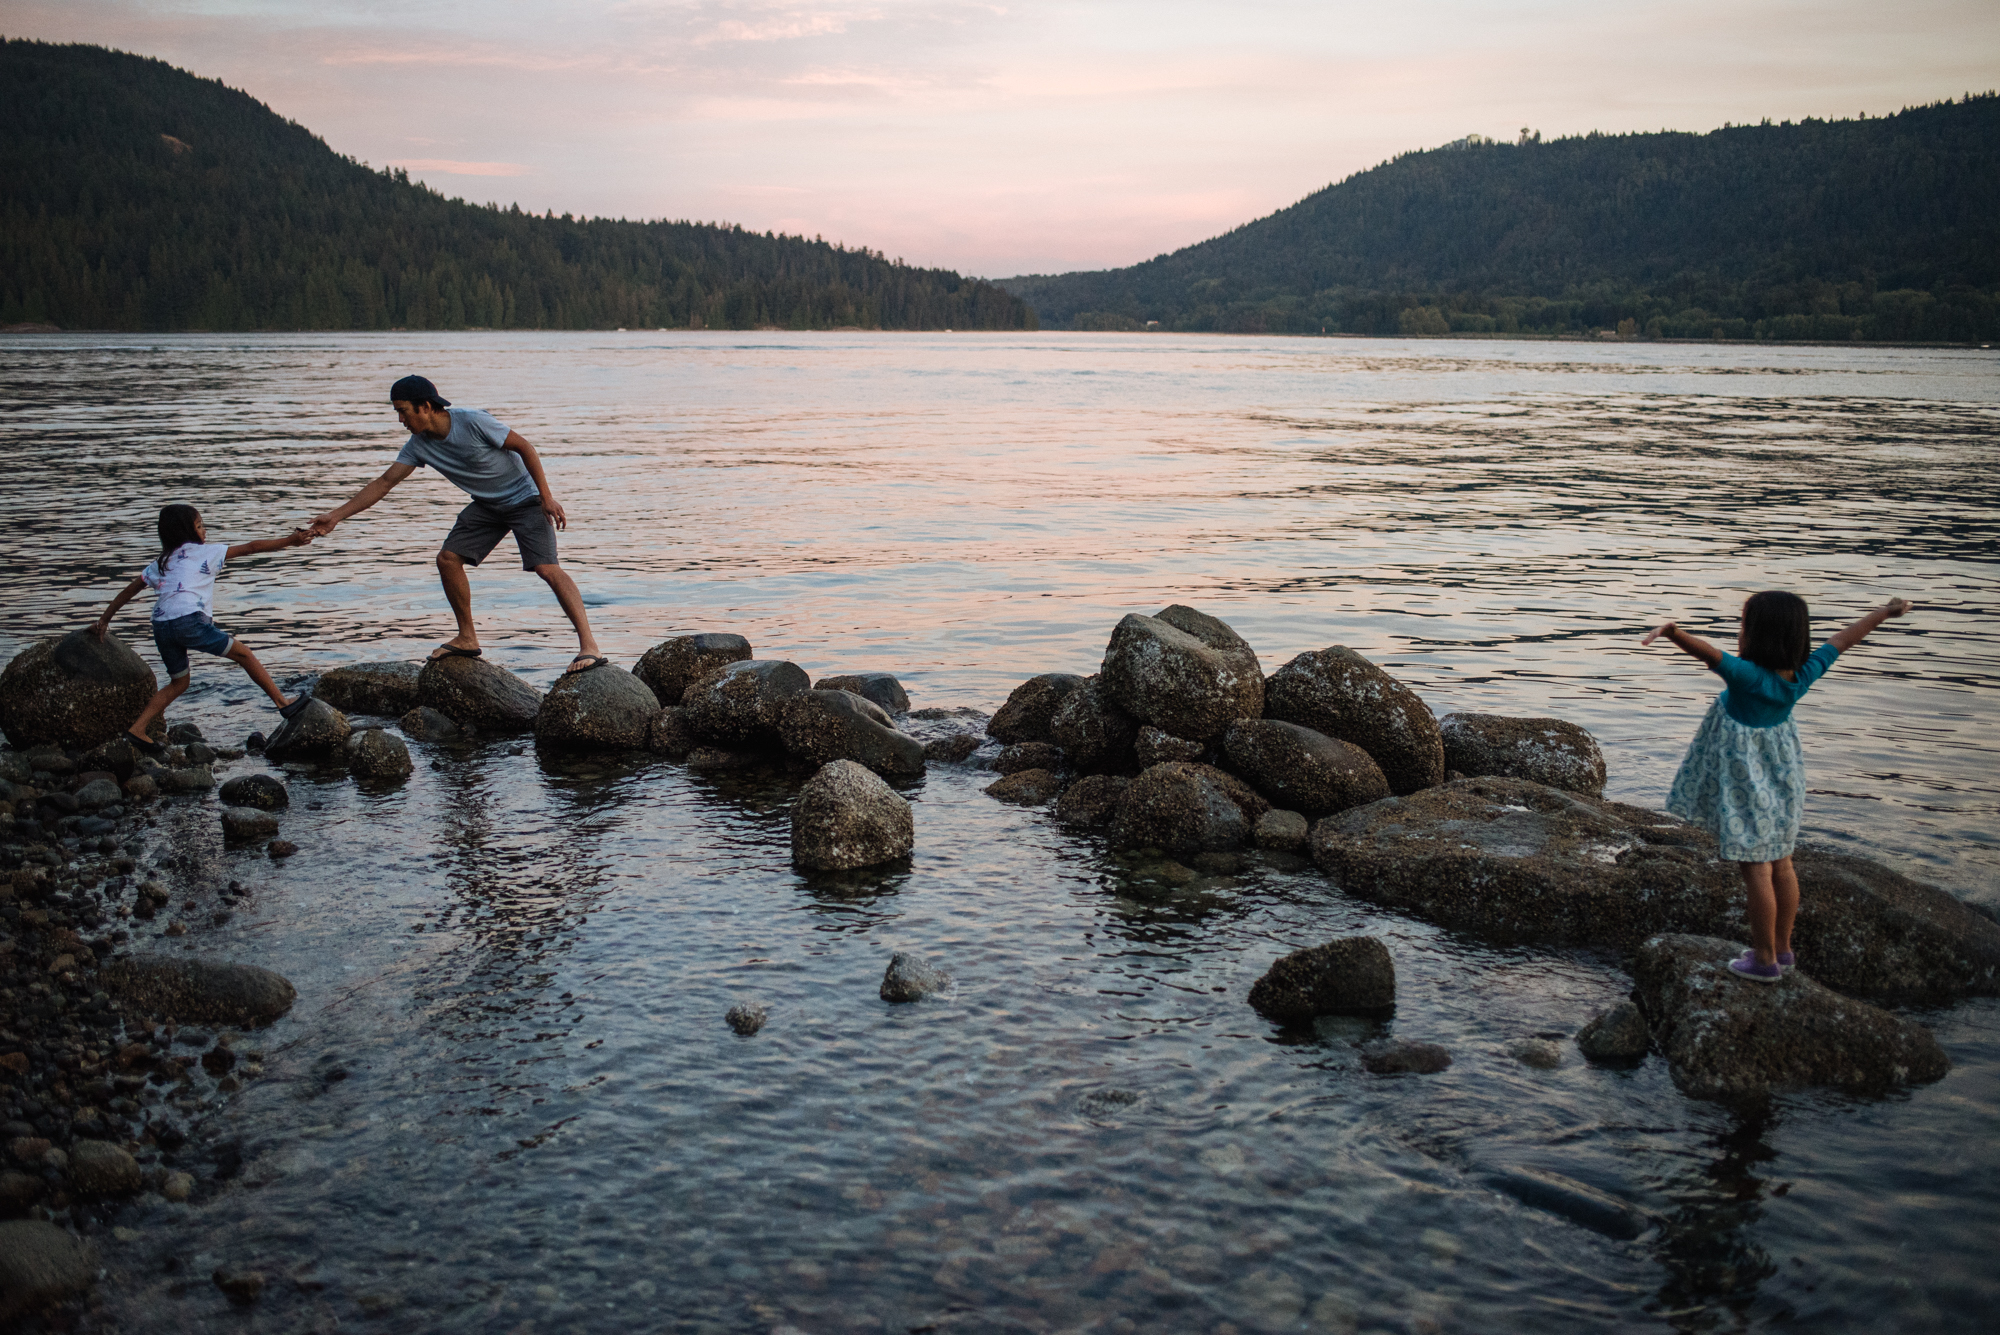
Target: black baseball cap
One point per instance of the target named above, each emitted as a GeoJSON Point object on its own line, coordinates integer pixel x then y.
{"type": "Point", "coordinates": [417, 389]}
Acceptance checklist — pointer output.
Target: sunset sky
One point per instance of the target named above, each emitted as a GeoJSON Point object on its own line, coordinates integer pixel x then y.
{"type": "Point", "coordinates": [1003, 138]}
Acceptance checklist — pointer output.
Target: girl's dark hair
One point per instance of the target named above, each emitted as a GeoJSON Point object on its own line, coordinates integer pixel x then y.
{"type": "Point", "coordinates": [1777, 630]}
{"type": "Point", "coordinates": [176, 528]}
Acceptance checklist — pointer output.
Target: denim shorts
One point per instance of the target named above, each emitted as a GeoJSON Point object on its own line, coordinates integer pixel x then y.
{"type": "Point", "coordinates": [193, 631]}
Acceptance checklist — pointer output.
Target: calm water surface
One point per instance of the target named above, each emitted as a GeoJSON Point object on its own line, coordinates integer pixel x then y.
{"type": "Point", "coordinates": [506, 1102]}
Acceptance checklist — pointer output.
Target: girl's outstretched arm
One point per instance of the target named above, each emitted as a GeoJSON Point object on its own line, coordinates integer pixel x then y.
{"type": "Point", "coordinates": [102, 625]}
{"type": "Point", "coordinates": [1686, 643]}
{"type": "Point", "coordinates": [1847, 638]}
{"type": "Point", "coordinates": [298, 537]}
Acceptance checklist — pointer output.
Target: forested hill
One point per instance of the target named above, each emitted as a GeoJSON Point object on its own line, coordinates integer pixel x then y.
{"type": "Point", "coordinates": [1883, 228]}
{"type": "Point", "coordinates": [134, 195]}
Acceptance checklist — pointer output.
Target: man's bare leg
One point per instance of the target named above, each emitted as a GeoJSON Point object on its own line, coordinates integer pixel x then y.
{"type": "Point", "coordinates": [458, 592]}
{"type": "Point", "coordinates": [572, 605]}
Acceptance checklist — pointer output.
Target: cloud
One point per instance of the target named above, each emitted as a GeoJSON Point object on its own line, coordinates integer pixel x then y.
{"type": "Point", "coordinates": [448, 167]}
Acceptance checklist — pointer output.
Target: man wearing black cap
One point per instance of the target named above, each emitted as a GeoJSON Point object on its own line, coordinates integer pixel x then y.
{"type": "Point", "coordinates": [510, 494]}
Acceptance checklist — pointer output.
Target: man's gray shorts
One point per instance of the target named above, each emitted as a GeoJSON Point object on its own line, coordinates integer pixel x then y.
{"type": "Point", "coordinates": [481, 525]}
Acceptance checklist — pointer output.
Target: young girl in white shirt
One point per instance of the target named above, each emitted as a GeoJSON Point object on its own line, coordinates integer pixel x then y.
{"type": "Point", "coordinates": [184, 617]}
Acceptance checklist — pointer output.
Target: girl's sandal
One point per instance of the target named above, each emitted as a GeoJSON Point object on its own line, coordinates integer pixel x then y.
{"type": "Point", "coordinates": [1751, 971]}
{"type": "Point", "coordinates": [1787, 960]}
{"type": "Point", "coordinates": [144, 745]}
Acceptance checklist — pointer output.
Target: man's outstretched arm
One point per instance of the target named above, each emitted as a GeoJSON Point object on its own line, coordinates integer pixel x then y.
{"type": "Point", "coordinates": [362, 499]}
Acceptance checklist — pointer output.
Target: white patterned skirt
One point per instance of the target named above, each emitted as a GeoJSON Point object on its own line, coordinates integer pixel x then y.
{"type": "Point", "coordinates": [1746, 786]}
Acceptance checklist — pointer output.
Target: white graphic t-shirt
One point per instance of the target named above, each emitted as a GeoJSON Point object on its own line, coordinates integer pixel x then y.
{"type": "Point", "coordinates": [189, 582]}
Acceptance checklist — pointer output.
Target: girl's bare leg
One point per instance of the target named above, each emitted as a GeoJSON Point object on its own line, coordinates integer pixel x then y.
{"type": "Point", "coordinates": [1785, 889]}
{"type": "Point", "coordinates": [157, 706]}
{"type": "Point", "coordinates": [239, 654]}
{"type": "Point", "coordinates": [1763, 909]}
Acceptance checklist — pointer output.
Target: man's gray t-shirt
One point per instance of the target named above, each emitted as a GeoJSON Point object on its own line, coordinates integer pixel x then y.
{"type": "Point", "coordinates": [471, 455]}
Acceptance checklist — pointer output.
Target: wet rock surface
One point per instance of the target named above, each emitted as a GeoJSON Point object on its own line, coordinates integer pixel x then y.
{"type": "Point", "coordinates": [671, 734]}
{"type": "Point", "coordinates": [1302, 770]}
{"type": "Point", "coordinates": [1182, 671]}
{"type": "Point", "coordinates": [1281, 831]}
{"type": "Point", "coordinates": [953, 750]}
{"type": "Point", "coordinates": [75, 690]}
{"type": "Point", "coordinates": [247, 825]}
{"type": "Point", "coordinates": [602, 709]}
{"type": "Point", "coordinates": [1866, 929]}
{"type": "Point", "coordinates": [317, 732]}
{"type": "Point", "coordinates": [383, 689]}
{"type": "Point", "coordinates": [98, 1168]}
{"type": "Point", "coordinates": [374, 753]}
{"type": "Point", "coordinates": [424, 724]}
{"type": "Point", "coordinates": [741, 703]}
{"type": "Point", "coordinates": [1031, 708]}
{"type": "Point", "coordinates": [1095, 735]}
{"type": "Point", "coordinates": [1396, 1056]}
{"type": "Point", "coordinates": [1351, 976]}
{"type": "Point", "coordinates": [1546, 750]}
{"type": "Point", "coordinates": [1339, 693]}
{"type": "Point", "coordinates": [1029, 787]}
{"type": "Point", "coordinates": [846, 817]}
{"type": "Point", "coordinates": [1155, 747]}
{"type": "Point", "coordinates": [1616, 1035]}
{"type": "Point", "coordinates": [878, 688]}
{"type": "Point", "coordinates": [204, 991]}
{"type": "Point", "coordinates": [1184, 808]}
{"type": "Point", "coordinates": [478, 693]}
{"type": "Point", "coordinates": [910, 978]}
{"type": "Point", "coordinates": [671, 666]}
{"type": "Point", "coordinates": [1092, 801]}
{"type": "Point", "coordinates": [1728, 1039]}
{"type": "Point", "coordinates": [260, 791]}
{"type": "Point", "coordinates": [821, 726]}
{"type": "Point", "coordinates": [1029, 755]}
{"type": "Point", "coordinates": [41, 1265]}
{"type": "Point", "coordinates": [746, 1018]}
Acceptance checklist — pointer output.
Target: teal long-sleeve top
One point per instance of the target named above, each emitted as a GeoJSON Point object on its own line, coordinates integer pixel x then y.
{"type": "Point", "coordinates": [1758, 697]}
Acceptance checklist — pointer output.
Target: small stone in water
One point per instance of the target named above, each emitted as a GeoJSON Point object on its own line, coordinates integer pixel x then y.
{"type": "Point", "coordinates": [909, 978]}
{"type": "Point", "coordinates": [243, 1286]}
{"type": "Point", "coordinates": [1400, 1057]}
{"type": "Point", "coordinates": [283, 848]}
{"type": "Point", "coordinates": [747, 1018]}
{"type": "Point", "coordinates": [1538, 1053]}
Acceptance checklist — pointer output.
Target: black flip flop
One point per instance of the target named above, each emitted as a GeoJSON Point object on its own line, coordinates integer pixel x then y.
{"type": "Point", "coordinates": [145, 745]}
{"type": "Point", "coordinates": [591, 662]}
{"type": "Point", "coordinates": [296, 707]}
{"type": "Point", "coordinates": [452, 651]}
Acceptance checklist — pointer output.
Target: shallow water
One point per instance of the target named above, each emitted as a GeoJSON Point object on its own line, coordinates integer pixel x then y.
{"type": "Point", "coordinates": [521, 965]}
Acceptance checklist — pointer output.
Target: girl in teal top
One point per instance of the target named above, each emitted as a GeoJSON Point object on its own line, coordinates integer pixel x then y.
{"type": "Point", "coordinates": [1743, 778]}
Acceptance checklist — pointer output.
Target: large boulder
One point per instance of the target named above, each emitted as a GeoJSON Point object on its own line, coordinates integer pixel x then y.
{"type": "Point", "coordinates": [77, 691]}
{"type": "Point", "coordinates": [1351, 976]}
{"type": "Point", "coordinates": [846, 817]}
{"type": "Point", "coordinates": [475, 692]}
{"type": "Point", "coordinates": [1184, 808]}
{"type": "Point", "coordinates": [41, 1265]}
{"type": "Point", "coordinates": [1092, 801]}
{"type": "Point", "coordinates": [1726, 1038]}
{"type": "Point", "coordinates": [1870, 931]}
{"type": "Point", "coordinates": [1547, 750]}
{"type": "Point", "coordinates": [1183, 672]}
{"type": "Point", "coordinates": [256, 790]}
{"type": "Point", "coordinates": [820, 726]}
{"type": "Point", "coordinates": [602, 709]}
{"type": "Point", "coordinates": [1031, 708]}
{"type": "Point", "coordinates": [671, 666]}
{"type": "Point", "coordinates": [375, 753]}
{"type": "Point", "coordinates": [387, 690]}
{"type": "Point", "coordinates": [1338, 692]}
{"type": "Point", "coordinates": [670, 734]}
{"type": "Point", "coordinates": [880, 688]}
{"type": "Point", "coordinates": [317, 732]}
{"type": "Point", "coordinates": [199, 990]}
{"type": "Point", "coordinates": [1156, 746]}
{"type": "Point", "coordinates": [741, 703]}
{"type": "Point", "coordinates": [1095, 734]}
{"type": "Point", "coordinates": [1302, 770]}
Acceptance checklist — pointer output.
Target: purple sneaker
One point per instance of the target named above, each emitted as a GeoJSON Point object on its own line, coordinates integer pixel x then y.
{"type": "Point", "coordinates": [1755, 972]}
{"type": "Point", "coordinates": [1786, 959]}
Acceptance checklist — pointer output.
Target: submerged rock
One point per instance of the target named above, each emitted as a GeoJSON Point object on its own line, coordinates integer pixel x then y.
{"type": "Point", "coordinates": [1092, 801]}
{"type": "Point", "coordinates": [1184, 808]}
{"type": "Point", "coordinates": [1725, 1038]}
{"type": "Point", "coordinates": [820, 726]}
{"type": "Point", "coordinates": [1580, 1203]}
{"type": "Point", "coordinates": [671, 666]}
{"type": "Point", "coordinates": [1182, 671]}
{"type": "Point", "coordinates": [374, 753]}
{"type": "Point", "coordinates": [1546, 750]}
{"type": "Point", "coordinates": [1351, 976]}
{"type": "Point", "coordinates": [41, 1265]}
{"type": "Point", "coordinates": [1029, 787]}
{"type": "Point", "coordinates": [1399, 1056]}
{"type": "Point", "coordinates": [317, 732]}
{"type": "Point", "coordinates": [1341, 694]}
{"type": "Point", "coordinates": [245, 825]}
{"type": "Point", "coordinates": [1617, 1035]}
{"type": "Point", "coordinates": [1095, 735]}
{"type": "Point", "coordinates": [472, 691]}
{"type": "Point", "coordinates": [741, 703]}
{"type": "Point", "coordinates": [604, 708]}
{"type": "Point", "coordinates": [1031, 708]}
{"type": "Point", "coordinates": [911, 979]}
{"type": "Point", "coordinates": [1302, 770]}
{"type": "Point", "coordinates": [203, 991]}
{"type": "Point", "coordinates": [383, 689]}
{"type": "Point", "coordinates": [76, 690]}
{"type": "Point", "coordinates": [846, 817]}
{"type": "Point", "coordinates": [951, 750]}
{"type": "Point", "coordinates": [878, 688]}
{"type": "Point", "coordinates": [1539, 1053]}
{"type": "Point", "coordinates": [424, 724]}
{"type": "Point", "coordinates": [256, 790]}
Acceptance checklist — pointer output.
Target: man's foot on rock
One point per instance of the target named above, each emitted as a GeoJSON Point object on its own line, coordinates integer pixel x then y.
{"type": "Point", "coordinates": [584, 663]}
{"type": "Point", "coordinates": [1754, 972]}
{"type": "Point", "coordinates": [451, 651]}
{"type": "Point", "coordinates": [145, 744]}
{"type": "Point", "coordinates": [1786, 959]}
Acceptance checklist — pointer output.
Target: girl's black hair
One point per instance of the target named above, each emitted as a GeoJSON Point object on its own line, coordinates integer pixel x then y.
{"type": "Point", "coordinates": [176, 528]}
{"type": "Point", "coordinates": [1777, 630]}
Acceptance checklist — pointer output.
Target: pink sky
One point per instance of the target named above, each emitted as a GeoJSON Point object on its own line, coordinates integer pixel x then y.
{"type": "Point", "coordinates": [1009, 138]}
